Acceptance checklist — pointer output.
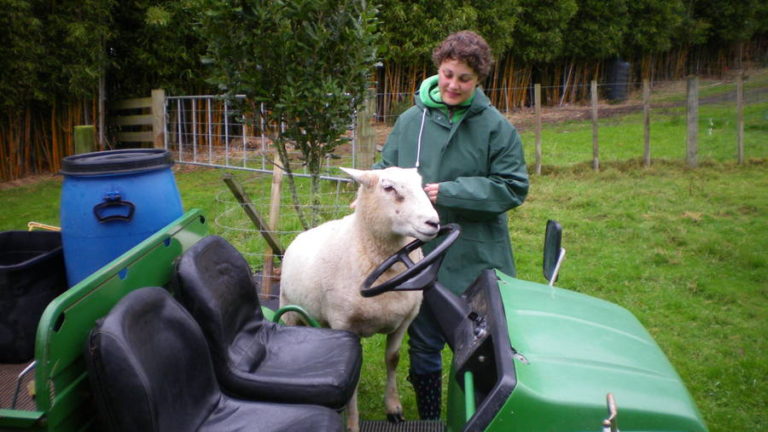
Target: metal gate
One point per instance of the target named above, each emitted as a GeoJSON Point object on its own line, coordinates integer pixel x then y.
{"type": "Point", "coordinates": [210, 131]}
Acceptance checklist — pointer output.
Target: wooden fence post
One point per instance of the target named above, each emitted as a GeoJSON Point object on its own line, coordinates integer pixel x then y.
{"type": "Point", "coordinates": [537, 110]}
{"type": "Point", "coordinates": [253, 214]}
{"type": "Point", "coordinates": [268, 273]}
{"type": "Point", "coordinates": [158, 117]}
{"type": "Point", "coordinates": [693, 122]}
{"type": "Point", "coordinates": [365, 155]}
{"type": "Point", "coordinates": [595, 147]}
{"type": "Point", "coordinates": [740, 117]}
{"type": "Point", "coordinates": [646, 122]}
{"type": "Point", "coordinates": [84, 142]}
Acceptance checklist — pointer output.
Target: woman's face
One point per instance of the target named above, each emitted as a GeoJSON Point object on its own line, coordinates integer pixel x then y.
{"type": "Point", "coordinates": [457, 81]}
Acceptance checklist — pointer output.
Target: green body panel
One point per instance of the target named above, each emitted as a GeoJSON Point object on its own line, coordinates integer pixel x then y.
{"type": "Point", "coordinates": [577, 349]}
{"type": "Point", "coordinates": [21, 420]}
{"type": "Point", "coordinates": [61, 382]}
{"type": "Point", "coordinates": [456, 405]}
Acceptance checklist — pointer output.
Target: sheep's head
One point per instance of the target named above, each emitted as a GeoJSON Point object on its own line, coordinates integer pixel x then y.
{"type": "Point", "coordinates": [393, 201]}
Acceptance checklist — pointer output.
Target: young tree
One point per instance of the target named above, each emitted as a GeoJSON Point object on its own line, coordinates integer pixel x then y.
{"type": "Point", "coordinates": [308, 61]}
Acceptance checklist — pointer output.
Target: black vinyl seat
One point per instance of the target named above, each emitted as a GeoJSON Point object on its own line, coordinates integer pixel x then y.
{"type": "Point", "coordinates": [253, 357]}
{"type": "Point", "coordinates": [151, 371]}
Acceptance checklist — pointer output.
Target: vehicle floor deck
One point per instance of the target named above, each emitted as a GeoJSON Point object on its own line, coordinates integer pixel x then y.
{"type": "Point", "coordinates": [407, 426]}
{"type": "Point", "coordinates": [9, 374]}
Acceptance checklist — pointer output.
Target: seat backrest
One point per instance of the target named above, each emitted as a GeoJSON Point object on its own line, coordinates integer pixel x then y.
{"type": "Point", "coordinates": [150, 367]}
{"type": "Point", "coordinates": [213, 281]}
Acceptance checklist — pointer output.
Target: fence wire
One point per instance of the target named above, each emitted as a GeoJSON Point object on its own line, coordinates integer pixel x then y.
{"type": "Point", "coordinates": [212, 131]}
{"type": "Point", "coordinates": [209, 131]}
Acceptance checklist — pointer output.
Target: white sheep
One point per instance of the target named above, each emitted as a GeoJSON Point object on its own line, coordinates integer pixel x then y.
{"type": "Point", "coordinates": [324, 267]}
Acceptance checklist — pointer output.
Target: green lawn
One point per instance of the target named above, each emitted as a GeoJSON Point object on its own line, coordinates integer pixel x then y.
{"type": "Point", "coordinates": [620, 138]}
{"type": "Point", "coordinates": [684, 249]}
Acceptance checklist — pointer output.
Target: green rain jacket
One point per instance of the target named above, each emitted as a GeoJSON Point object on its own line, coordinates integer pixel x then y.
{"type": "Point", "coordinates": [477, 157]}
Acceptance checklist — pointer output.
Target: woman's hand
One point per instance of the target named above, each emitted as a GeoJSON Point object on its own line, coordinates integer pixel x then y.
{"type": "Point", "coordinates": [431, 190]}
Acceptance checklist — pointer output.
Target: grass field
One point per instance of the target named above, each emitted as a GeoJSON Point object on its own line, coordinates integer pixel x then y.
{"type": "Point", "coordinates": [685, 250]}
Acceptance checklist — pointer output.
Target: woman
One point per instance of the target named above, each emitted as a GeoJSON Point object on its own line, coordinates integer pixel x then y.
{"type": "Point", "coordinates": [471, 160]}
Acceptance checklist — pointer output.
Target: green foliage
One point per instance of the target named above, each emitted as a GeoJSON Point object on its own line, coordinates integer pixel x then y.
{"type": "Point", "coordinates": [411, 30]}
{"type": "Point", "coordinates": [308, 60]}
{"type": "Point", "coordinates": [693, 29]}
{"type": "Point", "coordinates": [731, 21]}
{"type": "Point", "coordinates": [597, 29]}
{"type": "Point", "coordinates": [155, 46]}
{"type": "Point", "coordinates": [21, 36]}
{"type": "Point", "coordinates": [52, 50]}
{"type": "Point", "coordinates": [652, 26]}
{"type": "Point", "coordinates": [75, 35]}
{"type": "Point", "coordinates": [496, 22]}
{"type": "Point", "coordinates": [540, 33]}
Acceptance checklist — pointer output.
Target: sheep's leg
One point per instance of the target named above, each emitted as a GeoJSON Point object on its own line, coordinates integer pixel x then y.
{"type": "Point", "coordinates": [392, 357]}
{"type": "Point", "coordinates": [353, 416]}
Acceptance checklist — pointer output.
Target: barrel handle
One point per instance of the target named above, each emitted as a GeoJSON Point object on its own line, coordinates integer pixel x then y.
{"type": "Point", "coordinates": [111, 201]}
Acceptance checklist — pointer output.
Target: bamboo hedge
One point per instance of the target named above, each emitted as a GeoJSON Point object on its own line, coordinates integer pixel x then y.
{"type": "Point", "coordinates": [62, 62]}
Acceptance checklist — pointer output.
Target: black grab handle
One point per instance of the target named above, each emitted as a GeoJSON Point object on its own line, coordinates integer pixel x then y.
{"type": "Point", "coordinates": [112, 201]}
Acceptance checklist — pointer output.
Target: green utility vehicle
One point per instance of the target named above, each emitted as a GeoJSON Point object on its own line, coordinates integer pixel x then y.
{"type": "Point", "coordinates": [527, 356]}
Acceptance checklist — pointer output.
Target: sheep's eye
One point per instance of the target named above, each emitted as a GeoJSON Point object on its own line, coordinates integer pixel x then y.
{"type": "Point", "coordinates": [391, 189]}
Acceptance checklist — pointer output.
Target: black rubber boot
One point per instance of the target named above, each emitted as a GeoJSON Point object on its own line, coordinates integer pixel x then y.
{"type": "Point", "coordinates": [428, 388]}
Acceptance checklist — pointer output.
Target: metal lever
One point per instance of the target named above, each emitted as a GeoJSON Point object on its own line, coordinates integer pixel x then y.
{"type": "Point", "coordinates": [26, 370]}
{"type": "Point", "coordinates": [560, 258]}
{"type": "Point", "coordinates": [609, 424]}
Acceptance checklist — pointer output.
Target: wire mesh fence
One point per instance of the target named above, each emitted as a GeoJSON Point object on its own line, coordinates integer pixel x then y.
{"type": "Point", "coordinates": [214, 131]}
{"type": "Point", "coordinates": [228, 217]}
{"type": "Point", "coordinates": [208, 131]}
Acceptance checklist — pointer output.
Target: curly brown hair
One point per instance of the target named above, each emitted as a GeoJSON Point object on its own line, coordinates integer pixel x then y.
{"type": "Point", "coordinates": [466, 46]}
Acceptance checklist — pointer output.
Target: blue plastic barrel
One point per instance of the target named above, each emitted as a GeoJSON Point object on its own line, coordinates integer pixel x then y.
{"type": "Point", "coordinates": [110, 202]}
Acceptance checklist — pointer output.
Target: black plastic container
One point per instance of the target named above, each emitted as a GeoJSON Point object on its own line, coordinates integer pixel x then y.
{"type": "Point", "coordinates": [618, 81]}
{"type": "Point", "coordinates": [32, 273]}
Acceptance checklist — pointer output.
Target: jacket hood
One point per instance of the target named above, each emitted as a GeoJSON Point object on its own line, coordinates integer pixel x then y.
{"type": "Point", "coordinates": [429, 93]}
{"type": "Point", "coordinates": [428, 96]}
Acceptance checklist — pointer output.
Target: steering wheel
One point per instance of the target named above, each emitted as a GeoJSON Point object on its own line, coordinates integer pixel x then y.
{"type": "Point", "coordinates": [417, 276]}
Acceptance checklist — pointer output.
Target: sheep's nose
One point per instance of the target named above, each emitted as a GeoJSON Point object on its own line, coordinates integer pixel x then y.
{"type": "Point", "coordinates": [433, 224]}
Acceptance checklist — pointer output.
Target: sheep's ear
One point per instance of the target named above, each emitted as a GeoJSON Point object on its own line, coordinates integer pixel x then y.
{"type": "Point", "coordinates": [366, 178]}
